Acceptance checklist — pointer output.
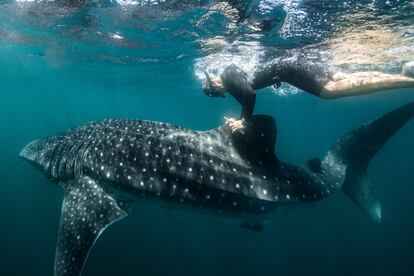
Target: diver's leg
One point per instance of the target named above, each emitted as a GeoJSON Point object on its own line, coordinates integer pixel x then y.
{"type": "Point", "coordinates": [345, 85]}
{"type": "Point", "coordinates": [316, 77]}
{"type": "Point", "coordinates": [302, 70]}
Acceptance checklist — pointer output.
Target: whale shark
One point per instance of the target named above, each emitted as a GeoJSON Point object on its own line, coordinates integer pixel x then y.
{"type": "Point", "coordinates": [106, 166]}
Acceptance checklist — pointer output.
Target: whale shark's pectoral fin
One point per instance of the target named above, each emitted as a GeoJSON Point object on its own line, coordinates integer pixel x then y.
{"type": "Point", "coordinates": [86, 211]}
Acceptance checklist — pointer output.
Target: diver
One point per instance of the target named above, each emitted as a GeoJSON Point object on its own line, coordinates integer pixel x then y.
{"type": "Point", "coordinates": [312, 76]}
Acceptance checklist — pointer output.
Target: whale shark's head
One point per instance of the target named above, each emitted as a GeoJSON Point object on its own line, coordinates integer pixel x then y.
{"type": "Point", "coordinates": [40, 153]}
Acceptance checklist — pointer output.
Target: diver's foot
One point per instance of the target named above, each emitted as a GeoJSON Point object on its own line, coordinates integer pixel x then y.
{"type": "Point", "coordinates": [408, 69]}
{"type": "Point", "coordinates": [235, 125]}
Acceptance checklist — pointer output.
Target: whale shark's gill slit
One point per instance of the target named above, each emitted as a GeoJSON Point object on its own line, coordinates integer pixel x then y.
{"type": "Point", "coordinates": [52, 159]}
{"type": "Point", "coordinates": [74, 155]}
{"type": "Point", "coordinates": [82, 157]}
{"type": "Point", "coordinates": [78, 161]}
{"type": "Point", "coordinates": [57, 159]}
{"type": "Point", "coordinates": [66, 160]}
{"type": "Point", "coordinates": [61, 162]}
{"type": "Point", "coordinates": [70, 163]}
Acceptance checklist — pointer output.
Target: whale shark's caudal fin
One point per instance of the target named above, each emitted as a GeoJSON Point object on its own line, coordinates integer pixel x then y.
{"type": "Point", "coordinates": [86, 211]}
{"type": "Point", "coordinates": [356, 150]}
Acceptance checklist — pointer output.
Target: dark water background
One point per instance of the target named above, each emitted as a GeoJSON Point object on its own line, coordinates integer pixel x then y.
{"type": "Point", "coordinates": [43, 91]}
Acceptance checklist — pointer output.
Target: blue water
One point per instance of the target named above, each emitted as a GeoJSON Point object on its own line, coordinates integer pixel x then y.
{"type": "Point", "coordinates": [58, 72]}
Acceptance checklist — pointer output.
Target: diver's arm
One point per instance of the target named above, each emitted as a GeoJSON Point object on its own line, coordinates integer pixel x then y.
{"type": "Point", "coordinates": [248, 101]}
{"type": "Point", "coordinates": [236, 83]}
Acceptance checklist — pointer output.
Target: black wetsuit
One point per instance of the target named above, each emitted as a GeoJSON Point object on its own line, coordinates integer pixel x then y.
{"type": "Point", "coordinates": [299, 71]}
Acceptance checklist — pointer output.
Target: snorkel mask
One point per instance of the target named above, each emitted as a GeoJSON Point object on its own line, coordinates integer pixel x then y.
{"type": "Point", "coordinates": [209, 88]}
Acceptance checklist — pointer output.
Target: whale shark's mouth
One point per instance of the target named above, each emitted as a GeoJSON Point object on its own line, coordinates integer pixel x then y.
{"type": "Point", "coordinates": [30, 151]}
{"type": "Point", "coordinates": [40, 152]}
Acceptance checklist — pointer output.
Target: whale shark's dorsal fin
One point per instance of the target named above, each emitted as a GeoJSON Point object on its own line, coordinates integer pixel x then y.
{"type": "Point", "coordinates": [86, 211]}
{"type": "Point", "coordinates": [258, 140]}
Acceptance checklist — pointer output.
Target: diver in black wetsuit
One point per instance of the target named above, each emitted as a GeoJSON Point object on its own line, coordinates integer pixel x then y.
{"type": "Point", "coordinates": [308, 75]}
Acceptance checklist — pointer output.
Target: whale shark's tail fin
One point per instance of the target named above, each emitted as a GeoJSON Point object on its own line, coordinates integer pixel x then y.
{"type": "Point", "coordinates": [355, 150]}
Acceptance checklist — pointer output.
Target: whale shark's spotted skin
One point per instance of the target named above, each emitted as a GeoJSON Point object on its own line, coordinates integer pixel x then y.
{"type": "Point", "coordinates": [103, 166]}
{"type": "Point", "coordinates": [202, 169]}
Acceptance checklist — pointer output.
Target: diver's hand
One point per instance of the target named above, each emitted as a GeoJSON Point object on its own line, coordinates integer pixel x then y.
{"type": "Point", "coordinates": [235, 125]}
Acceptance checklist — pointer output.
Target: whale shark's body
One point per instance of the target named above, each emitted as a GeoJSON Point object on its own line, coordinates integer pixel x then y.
{"type": "Point", "coordinates": [103, 166]}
